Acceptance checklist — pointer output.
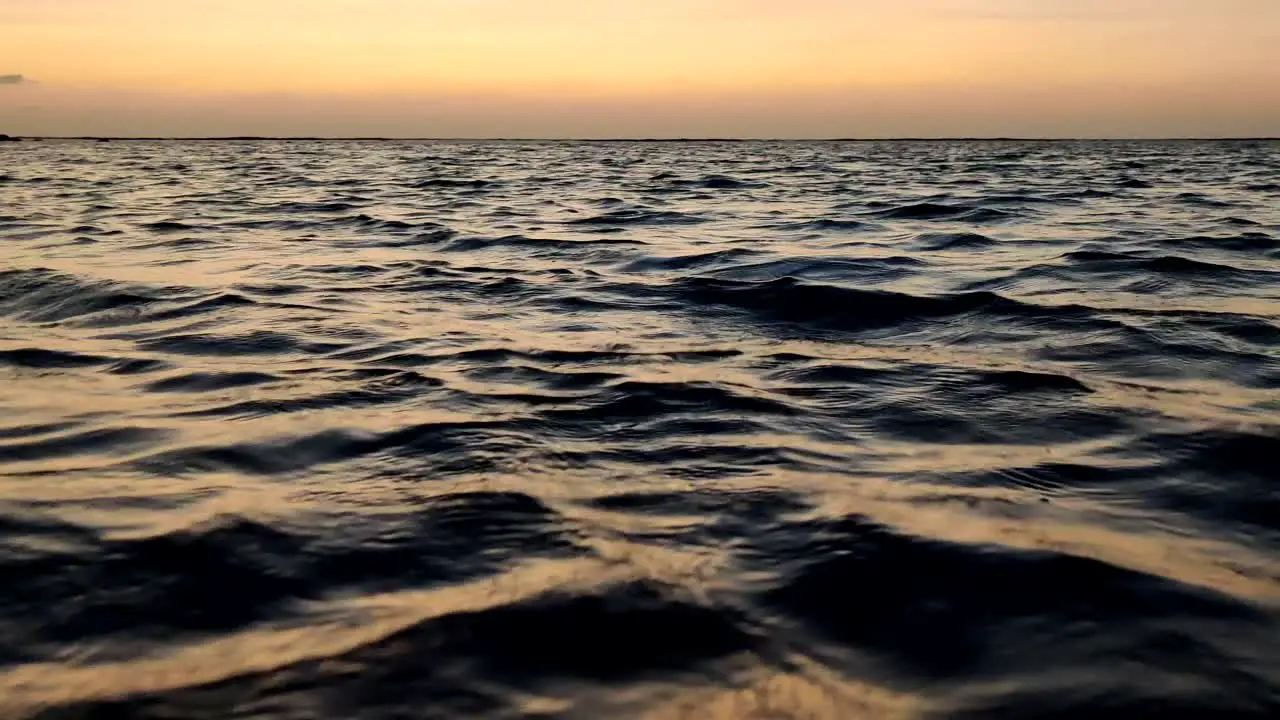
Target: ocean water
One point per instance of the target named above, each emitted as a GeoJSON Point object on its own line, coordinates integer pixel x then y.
{"type": "Point", "coordinates": [654, 430]}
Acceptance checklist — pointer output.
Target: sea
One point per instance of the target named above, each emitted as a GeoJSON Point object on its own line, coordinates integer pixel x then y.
{"type": "Point", "coordinates": [309, 430]}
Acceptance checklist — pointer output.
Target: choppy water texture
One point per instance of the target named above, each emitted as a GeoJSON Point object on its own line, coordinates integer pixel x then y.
{"type": "Point", "coordinates": [708, 430]}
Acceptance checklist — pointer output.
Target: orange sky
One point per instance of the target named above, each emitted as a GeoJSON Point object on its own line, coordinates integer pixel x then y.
{"type": "Point", "coordinates": [600, 68]}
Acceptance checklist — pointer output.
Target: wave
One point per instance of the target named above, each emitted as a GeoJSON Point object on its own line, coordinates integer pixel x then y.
{"type": "Point", "coordinates": [260, 342]}
{"type": "Point", "coordinates": [167, 226]}
{"type": "Point", "coordinates": [1133, 184]}
{"type": "Point", "coordinates": [1244, 242]}
{"type": "Point", "coordinates": [312, 207]}
{"type": "Point", "coordinates": [940, 211]}
{"type": "Point", "coordinates": [954, 241]}
{"type": "Point", "coordinates": [640, 217]}
{"type": "Point", "coordinates": [942, 622]}
{"type": "Point", "coordinates": [451, 183]}
{"type": "Point", "coordinates": [709, 182]}
{"type": "Point", "coordinates": [569, 636]}
{"type": "Point", "coordinates": [46, 296]}
{"type": "Point", "coordinates": [1176, 267]}
{"type": "Point", "coordinates": [823, 225]}
{"type": "Point", "coordinates": [50, 359]}
{"type": "Point", "coordinates": [869, 271]}
{"type": "Point", "coordinates": [205, 382]}
{"type": "Point", "coordinates": [550, 245]}
{"type": "Point", "coordinates": [792, 301]}
{"type": "Point", "coordinates": [688, 262]}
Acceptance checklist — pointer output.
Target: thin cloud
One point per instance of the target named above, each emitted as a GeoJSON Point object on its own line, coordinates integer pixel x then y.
{"type": "Point", "coordinates": [12, 79]}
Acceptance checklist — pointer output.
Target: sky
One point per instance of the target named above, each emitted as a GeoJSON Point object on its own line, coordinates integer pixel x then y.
{"type": "Point", "coordinates": [641, 68]}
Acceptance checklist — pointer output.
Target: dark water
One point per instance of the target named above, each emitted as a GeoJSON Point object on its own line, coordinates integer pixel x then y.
{"type": "Point", "coordinates": [401, 430]}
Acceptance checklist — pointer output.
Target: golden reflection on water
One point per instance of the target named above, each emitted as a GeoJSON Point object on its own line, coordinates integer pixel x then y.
{"type": "Point", "coordinates": [331, 629]}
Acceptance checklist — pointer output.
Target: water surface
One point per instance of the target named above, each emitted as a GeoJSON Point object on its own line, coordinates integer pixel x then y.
{"type": "Point", "coordinates": [582, 430]}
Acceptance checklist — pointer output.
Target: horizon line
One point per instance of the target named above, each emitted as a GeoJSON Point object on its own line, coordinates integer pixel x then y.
{"type": "Point", "coordinates": [375, 138]}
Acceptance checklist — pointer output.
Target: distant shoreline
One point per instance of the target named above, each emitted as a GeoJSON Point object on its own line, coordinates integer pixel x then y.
{"type": "Point", "coordinates": [254, 138]}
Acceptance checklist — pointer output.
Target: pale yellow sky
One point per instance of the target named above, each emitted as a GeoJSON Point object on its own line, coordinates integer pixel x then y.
{"type": "Point", "coordinates": [791, 68]}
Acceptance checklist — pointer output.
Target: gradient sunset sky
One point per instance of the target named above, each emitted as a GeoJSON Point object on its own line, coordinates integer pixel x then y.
{"type": "Point", "coordinates": [641, 68]}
